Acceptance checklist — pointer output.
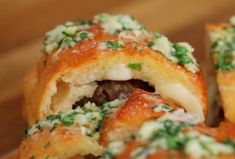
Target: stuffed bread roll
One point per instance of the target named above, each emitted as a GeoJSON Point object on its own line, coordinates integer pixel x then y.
{"type": "Point", "coordinates": [105, 59]}
{"type": "Point", "coordinates": [221, 46]}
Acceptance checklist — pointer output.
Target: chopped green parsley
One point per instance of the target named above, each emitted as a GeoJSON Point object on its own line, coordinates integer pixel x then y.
{"type": "Point", "coordinates": [114, 45]}
{"type": "Point", "coordinates": [89, 117]}
{"type": "Point", "coordinates": [224, 61]}
{"type": "Point", "coordinates": [107, 108]}
{"type": "Point", "coordinates": [171, 135]}
{"type": "Point", "coordinates": [230, 142]}
{"type": "Point", "coordinates": [107, 155]}
{"type": "Point", "coordinates": [176, 136]}
{"type": "Point", "coordinates": [180, 53]}
{"type": "Point", "coordinates": [68, 35]}
{"type": "Point", "coordinates": [65, 36]}
{"type": "Point", "coordinates": [149, 43]}
{"type": "Point", "coordinates": [135, 66]}
{"type": "Point", "coordinates": [223, 47]}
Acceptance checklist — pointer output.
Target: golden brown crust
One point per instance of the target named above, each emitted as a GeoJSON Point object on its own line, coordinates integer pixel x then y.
{"type": "Point", "coordinates": [64, 76]}
{"type": "Point", "coordinates": [86, 63]}
{"type": "Point", "coordinates": [136, 110]}
{"type": "Point", "coordinates": [61, 143]}
{"type": "Point", "coordinates": [67, 142]}
{"type": "Point", "coordinates": [222, 132]}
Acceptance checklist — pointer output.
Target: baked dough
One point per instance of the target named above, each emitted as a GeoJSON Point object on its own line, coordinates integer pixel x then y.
{"type": "Point", "coordinates": [78, 56]}
{"type": "Point", "coordinates": [119, 125]}
{"type": "Point", "coordinates": [63, 142]}
{"type": "Point", "coordinates": [138, 109]}
{"type": "Point", "coordinates": [64, 76]}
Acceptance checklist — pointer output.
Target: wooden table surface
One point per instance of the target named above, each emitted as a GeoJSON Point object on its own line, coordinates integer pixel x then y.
{"type": "Point", "coordinates": [24, 22]}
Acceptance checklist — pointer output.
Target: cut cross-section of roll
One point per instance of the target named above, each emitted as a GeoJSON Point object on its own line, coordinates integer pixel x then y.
{"type": "Point", "coordinates": [105, 59]}
{"type": "Point", "coordinates": [221, 46]}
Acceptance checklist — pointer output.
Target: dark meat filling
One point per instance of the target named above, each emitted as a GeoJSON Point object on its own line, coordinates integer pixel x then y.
{"type": "Point", "coordinates": [111, 90]}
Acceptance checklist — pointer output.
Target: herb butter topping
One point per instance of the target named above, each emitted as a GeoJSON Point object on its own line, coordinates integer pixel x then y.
{"type": "Point", "coordinates": [126, 29]}
{"type": "Point", "coordinates": [116, 23]}
{"type": "Point", "coordinates": [89, 118]}
{"type": "Point", "coordinates": [66, 36]}
{"type": "Point", "coordinates": [173, 136]}
{"type": "Point", "coordinates": [111, 44]}
{"type": "Point", "coordinates": [223, 45]}
{"type": "Point", "coordinates": [180, 53]}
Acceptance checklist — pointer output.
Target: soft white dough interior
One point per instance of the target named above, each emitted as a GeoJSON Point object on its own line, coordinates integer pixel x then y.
{"type": "Point", "coordinates": [183, 96]}
{"type": "Point", "coordinates": [68, 94]}
{"type": "Point", "coordinates": [169, 84]}
{"type": "Point", "coordinates": [52, 91]}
